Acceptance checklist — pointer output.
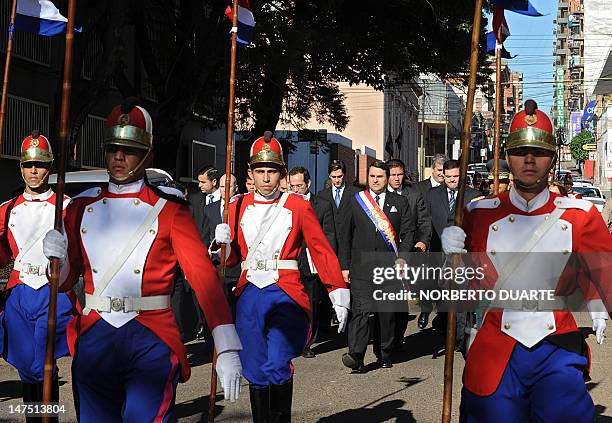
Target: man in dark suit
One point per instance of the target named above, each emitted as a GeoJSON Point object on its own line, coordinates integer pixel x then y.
{"type": "Point", "coordinates": [362, 238]}
{"type": "Point", "coordinates": [422, 222]}
{"type": "Point", "coordinates": [441, 202]}
{"type": "Point", "coordinates": [208, 183]}
{"type": "Point", "coordinates": [299, 182]}
{"type": "Point", "coordinates": [338, 194]}
{"type": "Point", "coordinates": [437, 175]}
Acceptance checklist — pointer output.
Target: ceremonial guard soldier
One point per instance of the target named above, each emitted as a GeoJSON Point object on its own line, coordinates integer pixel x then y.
{"type": "Point", "coordinates": [127, 240]}
{"type": "Point", "coordinates": [267, 229]}
{"type": "Point", "coordinates": [24, 221]}
{"type": "Point", "coordinates": [529, 365]}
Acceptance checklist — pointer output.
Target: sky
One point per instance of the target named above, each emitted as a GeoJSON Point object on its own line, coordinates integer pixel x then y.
{"type": "Point", "coordinates": [531, 39]}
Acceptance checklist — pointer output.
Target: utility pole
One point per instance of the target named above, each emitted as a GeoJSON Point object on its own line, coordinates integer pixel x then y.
{"type": "Point", "coordinates": [446, 122]}
{"type": "Point", "coordinates": [422, 142]}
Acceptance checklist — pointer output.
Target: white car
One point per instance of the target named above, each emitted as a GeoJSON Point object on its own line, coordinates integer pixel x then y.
{"type": "Point", "coordinates": [80, 180]}
{"type": "Point", "coordinates": [592, 194]}
{"type": "Point", "coordinates": [582, 183]}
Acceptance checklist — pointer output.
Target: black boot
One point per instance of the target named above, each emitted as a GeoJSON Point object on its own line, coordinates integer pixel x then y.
{"type": "Point", "coordinates": [32, 392]}
{"type": "Point", "coordinates": [260, 404]}
{"type": "Point", "coordinates": [280, 402]}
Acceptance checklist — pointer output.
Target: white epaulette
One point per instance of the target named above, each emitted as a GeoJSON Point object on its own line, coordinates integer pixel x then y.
{"type": "Point", "coordinates": [485, 203]}
{"type": "Point", "coordinates": [236, 197]}
{"type": "Point", "coordinates": [573, 203]}
{"type": "Point", "coordinates": [88, 193]}
{"type": "Point", "coordinates": [175, 192]}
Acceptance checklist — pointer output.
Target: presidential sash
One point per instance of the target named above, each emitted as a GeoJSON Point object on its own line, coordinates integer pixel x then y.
{"type": "Point", "coordinates": [378, 218]}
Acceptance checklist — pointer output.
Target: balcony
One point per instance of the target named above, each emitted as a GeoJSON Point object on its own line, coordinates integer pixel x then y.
{"type": "Point", "coordinates": [563, 5]}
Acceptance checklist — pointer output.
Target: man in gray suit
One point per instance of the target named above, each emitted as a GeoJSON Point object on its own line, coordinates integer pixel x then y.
{"type": "Point", "coordinates": [437, 175]}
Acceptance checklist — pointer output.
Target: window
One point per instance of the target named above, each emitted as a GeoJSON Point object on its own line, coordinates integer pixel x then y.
{"type": "Point", "coordinates": [89, 143]}
{"type": "Point", "coordinates": [22, 116]}
{"type": "Point", "coordinates": [201, 154]}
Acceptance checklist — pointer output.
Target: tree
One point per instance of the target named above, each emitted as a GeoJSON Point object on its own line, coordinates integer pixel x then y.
{"type": "Point", "coordinates": [576, 144]}
{"type": "Point", "coordinates": [302, 49]}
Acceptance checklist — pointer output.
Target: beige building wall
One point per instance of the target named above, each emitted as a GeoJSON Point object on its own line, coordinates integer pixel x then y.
{"type": "Point", "coordinates": [365, 108]}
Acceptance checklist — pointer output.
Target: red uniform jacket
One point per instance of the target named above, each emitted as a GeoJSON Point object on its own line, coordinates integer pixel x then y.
{"type": "Point", "coordinates": [496, 223]}
{"type": "Point", "coordinates": [98, 224]}
{"type": "Point", "coordinates": [297, 222]}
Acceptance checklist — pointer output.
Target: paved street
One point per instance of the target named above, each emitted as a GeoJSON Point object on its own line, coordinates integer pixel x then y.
{"type": "Point", "coordinates": [325, 391]}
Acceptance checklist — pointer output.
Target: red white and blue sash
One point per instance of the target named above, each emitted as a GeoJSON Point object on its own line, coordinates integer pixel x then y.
{"type": "Point", "coordinates": [378, 218]}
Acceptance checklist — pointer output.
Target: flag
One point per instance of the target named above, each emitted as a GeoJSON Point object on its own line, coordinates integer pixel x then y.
{"type": "Point", "coordinates": [41, 17]}
{"type": "Point", "coordinates": [491, 47]}
{"type": "Point", "coordinates": [524, 7]}
{"type": "Point", "coordinates": [500, 26]}
{"type": "Point", "coordinates": [589, 112]}
{"type": "Point", "coordinates": [389, 145]}
{"type": "Point", "coordinates": [398, 139]}
{"type": "Point", "coordinates": [246, 21]}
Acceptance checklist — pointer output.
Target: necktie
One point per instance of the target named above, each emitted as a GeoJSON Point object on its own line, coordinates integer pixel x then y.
{"type": "Point", "coordinates": [378, 200]}
{"type": "Point", "coordinates": [209, 199]}
{"type": "Point", "coordinates": [451, 202]}
{"type": "Point", "coordinates": [337, 199]}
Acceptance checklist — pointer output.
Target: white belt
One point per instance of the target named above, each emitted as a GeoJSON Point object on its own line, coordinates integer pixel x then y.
{"type": "Point", "coordinates": [126, 304]}
{"type": "Point", "coordinates": [270, 265]}
{"type": "Point", "coordinates": [30, 269]}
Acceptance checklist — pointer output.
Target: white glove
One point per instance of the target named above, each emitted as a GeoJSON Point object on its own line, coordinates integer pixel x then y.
{"type": "Point", "coordinates": [342, 315]}
{"type": "Point", "coordinates": [453, 240]}
{"type": "Point", "coordinates": [55, 245]}
{"type": "Point", "coordinates": [599, 327]}
{"type": "Point", "coordinates": [222, 233]}
{"type": "Point", "coordinates": [229, 371]}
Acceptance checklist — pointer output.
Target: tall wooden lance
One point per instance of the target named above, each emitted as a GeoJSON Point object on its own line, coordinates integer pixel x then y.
{"type": "Point", "coordinates": [498, 107]}
{"type": "Point", "coordinates": [466, 135]}
{"type": "Point", "coordinates": [61, 172]}
{"type": "Point", "coordinates": [226, 194]}
{"type": "Point", "coordinates": [7, 68]}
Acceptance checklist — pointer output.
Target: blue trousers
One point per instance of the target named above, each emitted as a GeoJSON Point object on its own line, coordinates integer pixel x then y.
{"type": "Point", "coordinates": [24, 323]}
{"type": "Point", "coordinates": [540, 385]}
{"type": "Point", "coordinates": [273, 330]}
{"type": "Point", "coordinates": [124, 374]}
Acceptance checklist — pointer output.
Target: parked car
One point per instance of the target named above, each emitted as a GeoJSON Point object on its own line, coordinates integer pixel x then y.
{"type": "Point", "coordinates": [592, 194]}
{"type": "Point", "coordinates": [582, 183]}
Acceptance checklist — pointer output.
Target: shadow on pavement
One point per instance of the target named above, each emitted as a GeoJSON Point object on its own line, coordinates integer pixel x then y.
{"type": "Point", "coordinates": [335, 341]}
{"type": "Point", "coordinates": [427, 342]}
{"type": "Point", "coordinates": [199, 353]}
{"type": "Point", "coordinates": [385, 411]}
{"type": "Point", "coordinates": [10, 389]}
{"type": "Point", "coordinates": [599, 409]}
{"type": "Point", "coordinates": [199, 407]}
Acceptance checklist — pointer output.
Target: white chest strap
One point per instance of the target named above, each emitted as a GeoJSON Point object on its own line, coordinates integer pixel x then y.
{"type": "Point", "coordinates": [521, 253]}
{"type": "Point", "coordinates": [127, 250]}
{"type": "Point", "coordinates": [266, 227]}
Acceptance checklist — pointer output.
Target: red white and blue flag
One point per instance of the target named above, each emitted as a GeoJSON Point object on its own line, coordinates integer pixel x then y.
{"type": "Point", "coordinates": [500, 26]}
{"type": "Point", "coordinates": [246, 21]}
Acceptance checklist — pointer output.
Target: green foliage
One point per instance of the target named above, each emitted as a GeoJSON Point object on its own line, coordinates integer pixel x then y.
{"type": "Point", "coordinates": [578, 153]}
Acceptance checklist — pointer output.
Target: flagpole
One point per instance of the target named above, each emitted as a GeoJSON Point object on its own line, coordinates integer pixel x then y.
{"type": "Point", "coordinates": [451, 327]}
{"type": "Point", "coordinates": [7, 67]}
{"type": "Point", "coordinates": [498, 106]}
{"type": "Point", "coordinates": [58, 225]}
{"type": "Point", "coordinates": [226, 195]}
